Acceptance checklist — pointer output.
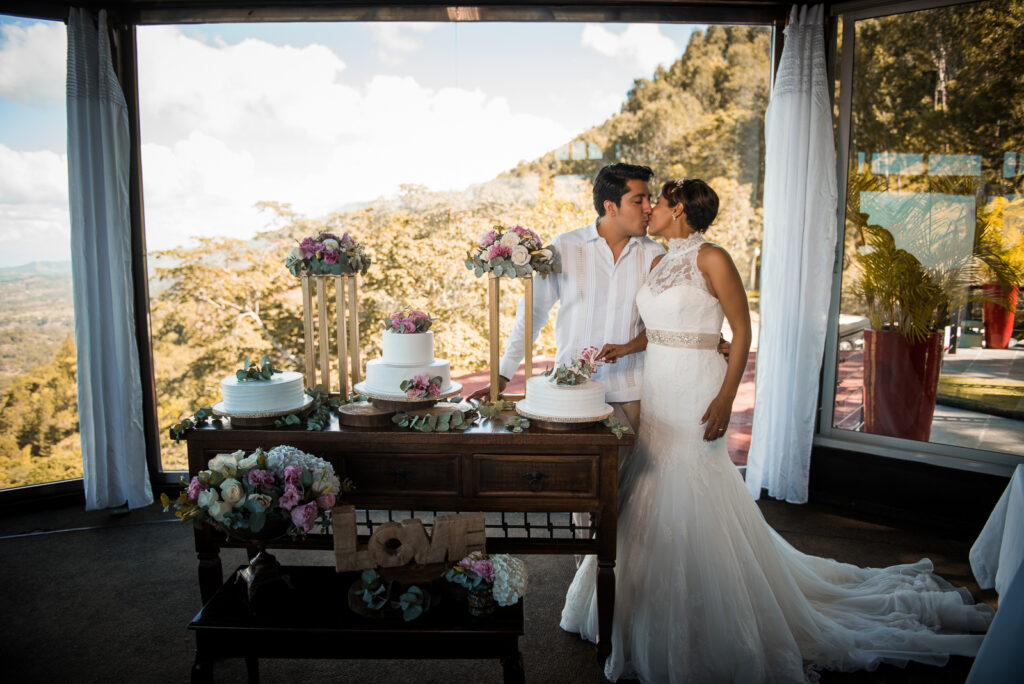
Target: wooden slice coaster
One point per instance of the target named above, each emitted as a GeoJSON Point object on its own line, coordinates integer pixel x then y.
{"type": "Point", "coordinates": [553, 426]}
{"type": "Point", "coordinates": [240, 422]}
{"type": "Point", "coordinates": [364, 414]}
{"type": "Point", "coordinates": [407, 406]}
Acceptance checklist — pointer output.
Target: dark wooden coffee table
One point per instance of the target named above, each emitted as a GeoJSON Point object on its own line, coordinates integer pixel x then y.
{"type": "Point", "coordinates": [313, 620]}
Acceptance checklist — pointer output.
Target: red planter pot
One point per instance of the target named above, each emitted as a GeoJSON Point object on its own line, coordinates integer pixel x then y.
{"type": "Point", "coordinates": [998, 319]}
{"type": "Point", "coordinates": [900, 382]}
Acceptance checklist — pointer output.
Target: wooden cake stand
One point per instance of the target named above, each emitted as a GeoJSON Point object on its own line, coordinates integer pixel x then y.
{"type": "Point", "coordinates": [555, 424]}
{"type": "Point", "coordinates": [257, 418]}
{"type": "Point", "coordinates": [381, 407]}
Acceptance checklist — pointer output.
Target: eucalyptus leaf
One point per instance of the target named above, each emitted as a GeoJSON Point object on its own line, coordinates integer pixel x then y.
{"type": "Point", "coordinates": [257, 520]}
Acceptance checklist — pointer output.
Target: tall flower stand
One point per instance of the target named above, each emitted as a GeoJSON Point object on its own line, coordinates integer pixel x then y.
{"type": "Point", "coordinates": [346, 334]}
{"type": "Point", "coordinates": [494, 306]}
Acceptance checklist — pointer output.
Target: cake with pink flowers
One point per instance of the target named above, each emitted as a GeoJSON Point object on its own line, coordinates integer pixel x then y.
{"type": "Point", "coordinates": [407, 367]}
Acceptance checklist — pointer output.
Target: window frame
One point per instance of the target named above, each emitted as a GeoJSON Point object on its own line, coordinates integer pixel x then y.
{"type": "Point", "coordinates": [932, 453]}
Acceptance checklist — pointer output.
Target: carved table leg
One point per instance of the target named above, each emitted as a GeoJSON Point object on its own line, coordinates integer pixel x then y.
{"type": "Point", "coordinates": [605, 607]}
{"type": "Point", "coordinates": [512, 669]}
{"type": "Point", "coordinates": [211, 574]}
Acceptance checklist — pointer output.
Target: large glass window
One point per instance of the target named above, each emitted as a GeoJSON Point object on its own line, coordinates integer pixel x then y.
{"type": "Point", "coordinates": [414, 138]}
{"type": "Point", "coordinates": [39, 439]}
{"type": "Point", "coordinates": [930, 337]}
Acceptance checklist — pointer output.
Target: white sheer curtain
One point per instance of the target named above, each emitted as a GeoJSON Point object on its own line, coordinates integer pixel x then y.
{"type": "Point", "coordinates": [109, 387]}
{"type": "Point", "coordinates": [797, 261]}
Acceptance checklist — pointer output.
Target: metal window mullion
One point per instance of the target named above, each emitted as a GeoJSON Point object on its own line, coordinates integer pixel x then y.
{"type": "Point", "coordinates": [828, 383]}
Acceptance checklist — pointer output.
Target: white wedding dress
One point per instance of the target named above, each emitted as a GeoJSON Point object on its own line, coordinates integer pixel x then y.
{"type": "Point", "coordinates": [706, 591]}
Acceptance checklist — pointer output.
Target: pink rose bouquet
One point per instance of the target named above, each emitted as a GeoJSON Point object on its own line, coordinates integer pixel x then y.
{"type": "Point", "coordinates": [422, 386]}
{"type": "Point", "coordinates": [502, 575]}
{"type": "Point", "coordinates": [512, 252]}
{"type": "Point", "coordinates": [284, 490]}
{"type": "Point", "coordinates": [408, 321]}
{"type": "Point", "coordinates": [328, 254]}
{"type": "Point", "coordinates": [583, 365]}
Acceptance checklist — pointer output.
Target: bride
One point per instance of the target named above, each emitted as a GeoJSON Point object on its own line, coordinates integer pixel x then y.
{"type": "Point", "coordinates": [706, 591]}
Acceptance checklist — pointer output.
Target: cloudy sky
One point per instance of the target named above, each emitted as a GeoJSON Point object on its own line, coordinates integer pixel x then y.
{"type": "Point", "coordinates": [318, 115]}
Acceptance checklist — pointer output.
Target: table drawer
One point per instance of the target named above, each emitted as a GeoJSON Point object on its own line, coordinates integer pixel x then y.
{"type": "Point", "coordinates": [390, 473]}
{"type": "Point", "coordinates": [541, 476]}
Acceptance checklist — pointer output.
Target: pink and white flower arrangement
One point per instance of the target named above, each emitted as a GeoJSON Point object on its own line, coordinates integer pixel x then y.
{"type": "Point", "coordinates": [285, 490]}
{"type": "Point", "coordinates": [583, 365]}
{"type": "Point", "coordinates": [328, 254]}
{"type": "Point", "coordinates": [504, 575]}
{"type": "Point", "coordinates": [513, 252]}
{"type": "Point", "coordinates": [422, 386]}
{"type": "Point", "coordinates": [408, 321]}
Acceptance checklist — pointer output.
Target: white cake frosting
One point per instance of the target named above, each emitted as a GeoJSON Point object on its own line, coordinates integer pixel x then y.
{"type": "Point", "coordinates": [282, 392]}
{"type": "Point", "coordinates": [545, 398]}
{"type": "Point", "coordinates": [404, 356]}
{"type": "Point", "coordinates": [408, 349]}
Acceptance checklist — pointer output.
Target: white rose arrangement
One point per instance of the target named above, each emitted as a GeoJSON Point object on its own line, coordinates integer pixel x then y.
{"type": "Point", "coordinates": [512, 252]}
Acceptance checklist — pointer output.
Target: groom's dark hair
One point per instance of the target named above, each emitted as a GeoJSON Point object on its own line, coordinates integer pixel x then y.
{"type": "Point", "coordinates": [610, 183]}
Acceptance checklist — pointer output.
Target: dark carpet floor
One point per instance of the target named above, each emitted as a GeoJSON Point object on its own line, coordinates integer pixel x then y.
{"type": "Point", "coordinates": [90, 597]}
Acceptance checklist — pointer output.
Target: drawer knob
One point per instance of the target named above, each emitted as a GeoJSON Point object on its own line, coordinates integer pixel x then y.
{"type": "Point", "coordinates": [536, 480]}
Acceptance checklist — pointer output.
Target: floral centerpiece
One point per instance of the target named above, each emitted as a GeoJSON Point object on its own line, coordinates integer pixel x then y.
{"type": "Point", "coordinates": [498, 579]}
{"type": "Point", "coordinates": [513, 252]}
{"type": "Point", "coordinates": [422, 386]}
{"type": "Point", "coordinates": [260, 495]}
{"type": "Point", "coordinates": [583, 365]}
{"type": "Point", "coordinates": [408, 321]}
{"type": "Point", "coordinates": [328, 254]}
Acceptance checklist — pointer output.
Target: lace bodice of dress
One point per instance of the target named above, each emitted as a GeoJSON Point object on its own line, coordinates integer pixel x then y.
{"type": "Point", "coordinates": [679, 265]}
{"type": "Point", "coordinates": [676, 297]}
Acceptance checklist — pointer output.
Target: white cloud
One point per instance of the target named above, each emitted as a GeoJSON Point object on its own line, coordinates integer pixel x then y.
{"type": "Point", "coordinates": [394, 39]}
{"type": "Point", "coordinates": [32, 63]}
{"type": "Point", "coordinates": [34, 218]}
{"type": "Point", "coordinates": [643, 45]}
{"type": "Point", "coordinates": [227, 126]}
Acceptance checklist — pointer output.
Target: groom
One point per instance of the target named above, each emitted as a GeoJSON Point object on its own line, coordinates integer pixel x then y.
{"type": "Point", "coordinates": [603, 266]}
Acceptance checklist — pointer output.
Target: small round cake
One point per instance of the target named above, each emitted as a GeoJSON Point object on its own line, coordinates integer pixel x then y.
{"type": "Point", "coordinates": [407, 349]}
{"type": "Point", "coordinates": [282, 392]}
{"type": "Point", "coordinates": [404, 356]}
{"type": "Point", "coordinates": [546, 399]}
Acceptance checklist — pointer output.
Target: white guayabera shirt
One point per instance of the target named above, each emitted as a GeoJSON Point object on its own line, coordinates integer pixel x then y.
{"type": "Point", "coordinates": [598, 306]}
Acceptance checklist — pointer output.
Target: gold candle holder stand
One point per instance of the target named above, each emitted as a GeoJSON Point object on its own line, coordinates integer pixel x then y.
{"type": "Point", "coordinates": [493, 307]}
{"type": "Point", "coordinates": [346, 333]}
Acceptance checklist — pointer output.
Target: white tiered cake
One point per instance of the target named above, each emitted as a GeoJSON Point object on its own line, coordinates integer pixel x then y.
{"type": "Point", "coordinates": [405, 355]}
{"type": "Point", "coordinates": [546, 400]}
{"type": "Point", "coordinates": [282, 392]}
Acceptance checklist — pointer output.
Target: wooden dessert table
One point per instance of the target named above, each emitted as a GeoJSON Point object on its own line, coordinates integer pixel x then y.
{"type": "Point", "coordinates": [485, 468]}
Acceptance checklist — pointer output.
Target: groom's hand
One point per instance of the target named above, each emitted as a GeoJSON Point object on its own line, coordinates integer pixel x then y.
{"type": "Point", "coordinates": [485, 393]}
{"type": "Point", "coordinates": [723, 347]}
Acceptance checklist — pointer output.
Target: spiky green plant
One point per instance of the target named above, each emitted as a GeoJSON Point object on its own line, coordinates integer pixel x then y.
{"type": "Point", "coordinates": [904, 296]}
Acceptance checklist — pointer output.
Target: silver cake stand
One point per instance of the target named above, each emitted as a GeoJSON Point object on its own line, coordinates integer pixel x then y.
{"type": "Point", "coordinates": [560, 423]}
{"type": "Point", "coordinates": [399, 402]}
{"type": "Point", "coordinates": [258, 418]}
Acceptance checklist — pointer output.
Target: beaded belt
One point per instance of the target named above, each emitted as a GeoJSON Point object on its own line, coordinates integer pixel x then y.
{"type": "Point", "coordinates": [670, 338]}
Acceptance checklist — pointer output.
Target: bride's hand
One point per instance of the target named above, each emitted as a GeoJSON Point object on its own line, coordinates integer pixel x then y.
{"type": "Point", "coordinates": [716, 419]}
{"type": "Point", "coordinates": [610, 353]}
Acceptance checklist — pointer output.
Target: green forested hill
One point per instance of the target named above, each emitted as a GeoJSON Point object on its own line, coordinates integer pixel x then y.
{"type": "Point", "coordinates": [36, 315]}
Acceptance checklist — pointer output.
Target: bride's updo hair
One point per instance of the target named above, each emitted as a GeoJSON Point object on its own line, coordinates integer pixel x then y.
{"type": "Point", "coordinates": [699, 201]}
